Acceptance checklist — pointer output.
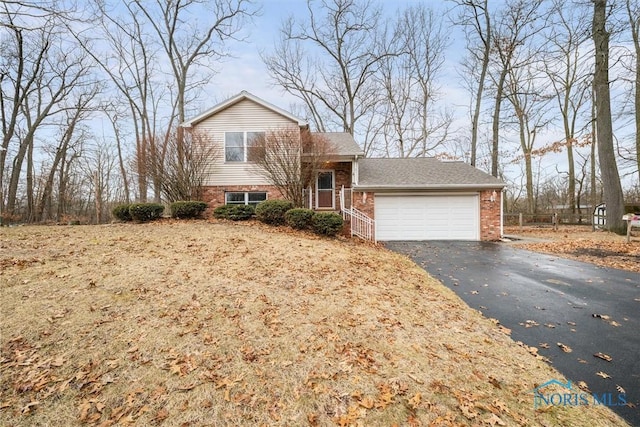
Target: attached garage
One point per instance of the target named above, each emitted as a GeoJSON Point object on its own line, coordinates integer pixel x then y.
{"type": "Point", "coordinates": [427, 199]}
{"type": "Point", "coordinates": [427, 217]}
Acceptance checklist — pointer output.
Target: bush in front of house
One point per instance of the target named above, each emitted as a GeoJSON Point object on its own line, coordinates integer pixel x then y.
{"type": "Point", "coordinates": [121, 212]}
{"type": "Point", "coordinates": [222, 212]}
{"type": "Point", "coordinates": [299, 218]}
{"type": "Point", "coordinates": [241, 212]}
{"type": "Point", "coordinates": [327, 223]}
{"type": "Point", "coordinates": [144, 212]}
{"type": "Point", "coordinates": [187, 209]}
{"type": "Point", "coordinates": [234, 212]}
{"type": "Point", "coordinates": [273, 211]}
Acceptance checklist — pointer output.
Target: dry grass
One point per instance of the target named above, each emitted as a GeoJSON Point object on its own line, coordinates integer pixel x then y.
{"type": "Point", "coordinates": [197, 323]}
{"type": "Point", "coordinates": [580, 243]}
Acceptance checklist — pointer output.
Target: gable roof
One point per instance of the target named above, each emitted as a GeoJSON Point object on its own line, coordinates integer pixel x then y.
{"type": "Point", "coordinates": [342, 143]}
{"type": "Point", "coordinates": [422, 173]}
{"type": "Point", "coordinates": [234, 100]}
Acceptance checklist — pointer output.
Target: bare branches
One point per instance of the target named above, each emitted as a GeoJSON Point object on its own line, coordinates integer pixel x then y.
{"type": "Point", "coordinates": [413, 125]}
{"type": "Point", "coordinates": [289, 158]}
{"type": "Point", "coordinates": [343, 40]}
{"type": "Point", "coordinates": [182, 167]}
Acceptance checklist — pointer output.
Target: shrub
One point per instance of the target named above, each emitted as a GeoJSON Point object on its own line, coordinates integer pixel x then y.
{"type": "Point", "coordinates": [272, 211]}
{"type": "Point", "coordinates": [121, 212]}
{"type": "Point", "coordinates": [146, 211]}
{"type": "Point", "coordinates": [222, 212]}
{"type": "Point", "coordinates": [241, 212]}
{"type": "Point", "coordinates": [299, 218]}
{"type": "Point", "coordinates": [187, 209]}
{"type": "Point", "coordinates": [327, 223]}
{"type": "Point", "coordinates": [234, 212]}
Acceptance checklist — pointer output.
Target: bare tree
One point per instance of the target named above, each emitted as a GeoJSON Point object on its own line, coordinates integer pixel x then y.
{"type": "Point", "coordinates": [517, 24]}
{"type": "Point", "coordinates": [70, 134]}
{"type": "Point", "coordinates": [130, 64]}
{"type": "Point", "coordinates": [98, 167]}
{"type": "Point", "coordinates": [329, 61]}
{"type": "Point", "coordinates": [633, 13]}
{"type": "Point", "coordinates": [413, 126]}
{"type": "Point", "coordinates": [524, 91]}
{"type": "Point", "coordinates": [42, 73]}
{"type": "Point", "coordinates": [613, 195]}
{"type": "Point", "coordinates": [189, 46]}
{"type": "Point", "coordinates": [114, 117]}
{"type": "Point", "coordinates": [289, 159]}
{"type": "Point", "coordinates": [569, 75]}
{"type": "Point", "coordinates": [476, 20]}
{"type": "Point", "coordinates": [185, 165]}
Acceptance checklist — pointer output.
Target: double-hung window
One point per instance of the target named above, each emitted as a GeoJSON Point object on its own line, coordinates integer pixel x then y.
{"type": "Point", "coordinates": [240, 146]}
{"type": "Point", "coordinates": [245, 198]}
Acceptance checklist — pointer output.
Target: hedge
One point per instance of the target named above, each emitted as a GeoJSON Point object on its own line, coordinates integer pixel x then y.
{"type": "Point", "coordinates": [273, 211]}
{"type": "Point", "coordinates": [327, 223]}
{"type": "Point", "coordinates": [144, 212]}
{"type": "Point", "coordinates": [299, 218]}
{"type": "Point", "coordinates": [234, 212]}
{"type": "Point", "coordinates": [121, 212]}
{"type": "Point", "coordinates": [187, 209]}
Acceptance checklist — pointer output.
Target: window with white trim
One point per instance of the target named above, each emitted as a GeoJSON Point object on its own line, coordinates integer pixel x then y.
{"type": "Point", "coordinates": [245, 198]}
{"type": "Point", "coordinates": [238, 145]}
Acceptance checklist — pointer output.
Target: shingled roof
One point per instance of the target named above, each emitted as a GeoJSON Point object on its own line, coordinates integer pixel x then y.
{"type": "Point", "coordinates": [422, 173]}
{"type": "Point", "coordinates": [342, 143]}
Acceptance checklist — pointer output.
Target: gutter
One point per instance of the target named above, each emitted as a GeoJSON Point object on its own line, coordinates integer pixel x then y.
{"type": "Point", "coordinates": [405, 187]}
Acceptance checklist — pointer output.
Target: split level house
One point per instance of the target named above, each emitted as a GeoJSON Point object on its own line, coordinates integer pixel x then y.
{"type": "Point", "coordinates": [382, 198]}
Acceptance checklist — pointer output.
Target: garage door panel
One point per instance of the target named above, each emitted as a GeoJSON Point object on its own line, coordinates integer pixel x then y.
{"type": "Point", "coordinates": [428, 217]}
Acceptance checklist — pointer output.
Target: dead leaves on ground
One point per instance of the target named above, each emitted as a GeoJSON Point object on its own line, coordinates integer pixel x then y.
{"type": "Point", "coordinates": [565, 347]}
{"type": "Point", "coordinates": [606, 318]}
{"type": "Point", "coordinates": [613, 254]}
{"type": "Point", "coordinates": [222, 349]}
{"type": "Point", "coordinates": [603, 356]}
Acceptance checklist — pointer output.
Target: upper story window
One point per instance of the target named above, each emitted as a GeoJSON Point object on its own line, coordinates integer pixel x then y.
{"type": "Point", "coordinates": [238, 145]}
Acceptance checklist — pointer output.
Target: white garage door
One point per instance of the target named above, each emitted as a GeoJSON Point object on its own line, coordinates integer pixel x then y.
{"type": "Point", "coordinates": [427, 217]}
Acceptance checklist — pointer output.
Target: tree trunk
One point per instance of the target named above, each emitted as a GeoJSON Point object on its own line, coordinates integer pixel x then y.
{"type": "Point", "coordinates": [572, 176]}
{"type": "Point", "coordinates": [613, 196]}
{"type": "Point", "coordinates": [634, 22]}
{"type": "Point", "coordinates": [480, 92]}
{"type": "Point", "coordinates": [30, 200]}
{"type": "Point", "coordinates": [495, 139]}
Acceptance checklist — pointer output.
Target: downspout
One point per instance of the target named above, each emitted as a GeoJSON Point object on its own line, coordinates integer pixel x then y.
{"type": "Point", "coordinates": [502, 213]}
{"type": "Point", "coordinates": [354, 171]}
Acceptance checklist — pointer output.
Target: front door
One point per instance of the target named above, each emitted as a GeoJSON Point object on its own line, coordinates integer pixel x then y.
{"type": "Point", "coordinates": [325, 197]}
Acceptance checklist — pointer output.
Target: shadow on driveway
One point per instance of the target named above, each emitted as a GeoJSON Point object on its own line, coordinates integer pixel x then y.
{"type": "Point", "coordinates": [546, 300]}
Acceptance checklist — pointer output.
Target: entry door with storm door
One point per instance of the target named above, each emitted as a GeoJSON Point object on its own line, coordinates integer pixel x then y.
{"type": "Point", "coordinates": [325, 190]}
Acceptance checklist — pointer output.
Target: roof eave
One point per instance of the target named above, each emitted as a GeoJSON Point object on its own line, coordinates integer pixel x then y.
{"type": "Point", "coordinates": [432, 187]}
{"type": "Point", "coordinates": [340, 157]}
{"type": "Point", "coordinates": [234, 100]}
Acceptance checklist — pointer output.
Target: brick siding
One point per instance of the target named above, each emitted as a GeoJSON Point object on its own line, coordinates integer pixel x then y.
{"type": "Point", "coordinates": [213, 196]}
{"type": "Point", "coordinates": [490, 215]}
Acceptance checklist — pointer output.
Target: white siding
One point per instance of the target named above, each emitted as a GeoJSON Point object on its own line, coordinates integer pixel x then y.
{"type": "Point", "coordinates": [245, 116]}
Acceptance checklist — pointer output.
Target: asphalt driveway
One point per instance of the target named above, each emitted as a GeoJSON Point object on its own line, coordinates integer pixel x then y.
{"type": "Point", "coordinates": [548, 302]}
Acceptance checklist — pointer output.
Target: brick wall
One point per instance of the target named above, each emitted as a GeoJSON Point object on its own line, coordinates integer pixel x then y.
{"type": "Point", "coordinates": [363, 201]}
{"type": "Point", "coordinates": [213, 196]}
{"type": "Point", "coordinates": [490, 215]}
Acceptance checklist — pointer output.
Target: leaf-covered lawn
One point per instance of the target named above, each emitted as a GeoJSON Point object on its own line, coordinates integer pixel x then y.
{"type": "Point", "coordinates": [580, 243]}
{"type": "Point", "coordinates": [204, 323]}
